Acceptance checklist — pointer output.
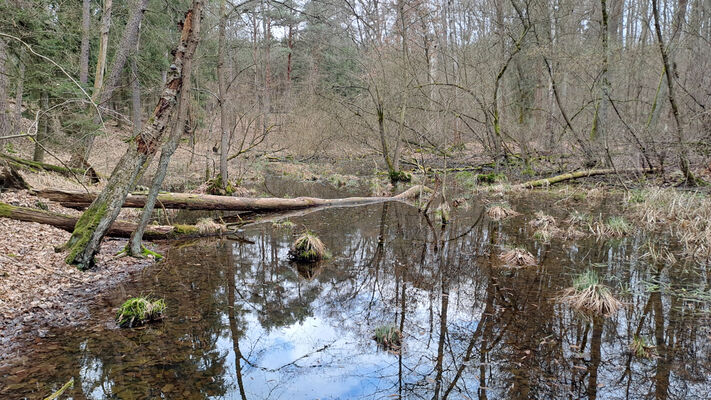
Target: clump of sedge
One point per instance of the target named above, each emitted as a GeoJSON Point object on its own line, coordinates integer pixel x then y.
{"type": "Point", "coordinates": [500, 211]}
{"type": "Point", "coordinates": [308, 248]}
{"type": "Point", "coordinates": [591, 296]}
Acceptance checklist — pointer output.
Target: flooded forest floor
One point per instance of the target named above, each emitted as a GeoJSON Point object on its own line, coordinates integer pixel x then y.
{"type": "Point", "coordinates": [475, 282]}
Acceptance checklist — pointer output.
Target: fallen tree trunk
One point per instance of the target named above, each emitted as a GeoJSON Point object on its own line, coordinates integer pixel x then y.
{"type": "Point", "coordinates": [225, 203]}
{"type": "Point", "coordinates": [580, 174]}
{"type": "Point", "coordinates": [39, 166]}
{"type": "Point", "coordinates": [118, 228]}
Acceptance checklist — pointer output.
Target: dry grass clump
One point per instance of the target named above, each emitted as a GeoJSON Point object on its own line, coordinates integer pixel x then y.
{"type": "Point", "coordinates": [687, 215]}
{"type": "Point", "coordinates": [542, 220]}
{"type": "Point", "coordinates": [207, 226]}
{"type": "Point", "coordinates": [590, 296]}
{"type": "Point", "coordinates": [308, 248]}
{"type": "Point", "coordinates": [517, 258]}
{"type": "Point", "coordinates": [500, 211]}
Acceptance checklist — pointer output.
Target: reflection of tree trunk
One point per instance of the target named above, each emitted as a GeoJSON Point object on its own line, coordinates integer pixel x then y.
{"type": "Point", "coordinates": [661, 377]}
{"type": "Point", "coordinates": [234, 333]}
{"type": "Point", "coordinates": [595, 343]}
{"type": "Point", "coordinates": [444, 276]}
{"type": "Point", "coordinates": [483, 322]}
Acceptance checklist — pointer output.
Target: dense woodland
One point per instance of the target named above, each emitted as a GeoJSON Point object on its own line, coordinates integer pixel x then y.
{"type": "Point", "coordinates": [607, 84]}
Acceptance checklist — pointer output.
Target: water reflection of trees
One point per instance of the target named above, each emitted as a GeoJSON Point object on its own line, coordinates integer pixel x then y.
{"type": "Point", "coordinates": [471, 328]}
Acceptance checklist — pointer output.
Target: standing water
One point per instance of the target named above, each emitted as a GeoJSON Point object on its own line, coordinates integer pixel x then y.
{"type": "Point", "coordinates": [245, 323]}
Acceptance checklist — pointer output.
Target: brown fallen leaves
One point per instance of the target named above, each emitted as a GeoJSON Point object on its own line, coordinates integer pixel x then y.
{"type": "Point", "coordinates": [37, 288]}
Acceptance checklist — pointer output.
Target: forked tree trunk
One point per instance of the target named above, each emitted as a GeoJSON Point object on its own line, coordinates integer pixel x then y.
{"type": "Point", "coordinates": [97, 219]}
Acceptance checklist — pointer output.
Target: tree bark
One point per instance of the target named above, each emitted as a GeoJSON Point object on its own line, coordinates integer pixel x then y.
{"type": "Point", "coordinates": [117, 229]}
{"type": "Point", "coordinates": [579, 174]}
{"type": "Point", "coordinates": [19, 92]}
{"type": "Point", "coordinates": [75, 199]}
{"type": "Point", "coordinates": [103, 94]}
{"type": "Point", "coordinates": [84, 52]}
{"type": "Point", "coordinates": [222, 93]}
{"type": "Point", "coordinates": [683, 159]}
{"type": "Point", "coordinates": [96, 220]}
{"type": "Point", "coordinates": [103, 47]}
{"type": "Point", "coordinates": [171, 144]}
{"type": "Point", "coordinates": [4, 109]}
{"type": "Point", "coordinates": [42, 129]}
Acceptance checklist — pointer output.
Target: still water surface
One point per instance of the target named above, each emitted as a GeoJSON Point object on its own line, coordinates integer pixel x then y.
{"type": "Point", "coordinates": [245, 323]}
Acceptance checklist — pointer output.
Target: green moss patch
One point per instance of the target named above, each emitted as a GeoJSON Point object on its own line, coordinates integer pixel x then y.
{"type": "Point", "coordinates": [140, 310]}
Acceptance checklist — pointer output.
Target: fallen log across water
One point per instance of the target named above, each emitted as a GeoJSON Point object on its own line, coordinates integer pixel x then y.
{"type": "Point", "coordinates": [581, 174]}
{"type": "Point", "coordinates": [225, 203]}
{"type": "Point", "coordinates": [118, 228]}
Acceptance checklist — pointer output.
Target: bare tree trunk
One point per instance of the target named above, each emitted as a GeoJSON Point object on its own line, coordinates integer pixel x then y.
{"type": "Point", "coordinates": [599, 128]}
{"type": "Point", "coordinates": [129, 39]}
{"type": "Point", "coordinates": [683, 159]}
{"type": "Point", "coordinates": [84, 53]}
{"type": "Point", "coordinates": [222, 93]}
{"type": "Point", "coordinates": [135, 97]}
{"type": "Point", "coordinates": [171, 144]}
{"type": "Point", "coordinates": [96, 220]}
{"type": "Point", "coordinates": [42, 129]}
{"type": "Point", "coordinates": [19, 92]}
{"type": "Point", "coordinates": [4, 109]}
{"type": "Point", "coordinates": [103, 48]}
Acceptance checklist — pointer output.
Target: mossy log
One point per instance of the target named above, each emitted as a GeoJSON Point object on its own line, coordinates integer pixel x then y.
{"type": "Point", "coordinates": [39, 166]}
{"type": "Point", "coordinates": [118, 228]}
{"type": "Point", "coordinates": [580, 174]}
{"type": "Point", "coordinates": [209, 202]}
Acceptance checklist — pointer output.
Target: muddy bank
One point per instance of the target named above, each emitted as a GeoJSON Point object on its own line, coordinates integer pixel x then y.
{"type": "Point", "coordinates": [39, 290]}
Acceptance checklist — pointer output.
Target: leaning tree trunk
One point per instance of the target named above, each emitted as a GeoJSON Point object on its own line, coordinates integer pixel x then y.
{"type": "Point", "coordinates": [166, 152]}
{"type": "Point", "coordinates": [97, 219]}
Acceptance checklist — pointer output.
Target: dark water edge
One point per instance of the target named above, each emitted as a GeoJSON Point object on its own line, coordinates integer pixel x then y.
{"type": "Point", "coordinates": [245, 323]}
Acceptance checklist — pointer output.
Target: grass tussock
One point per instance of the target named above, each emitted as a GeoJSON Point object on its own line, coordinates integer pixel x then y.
{"type": "Point", "coordinates": [590, 296]}
{"type": "Point", "coordinates": [518, 258]}
{"type": "Point", "coordinates": [308, 248]}
{"type": "Point", "coordinates": [207, 226]}
{"type": "Point", "coordinates": [137, 311]}
{"type": "Point", "coordinates": [687, 215]}
{"type": "Point", "coordinates": [389, 337]}
{"type": "Point", "coordinates": [616, 226]}
{"type": "Point", "coordinates": [500, 211]}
